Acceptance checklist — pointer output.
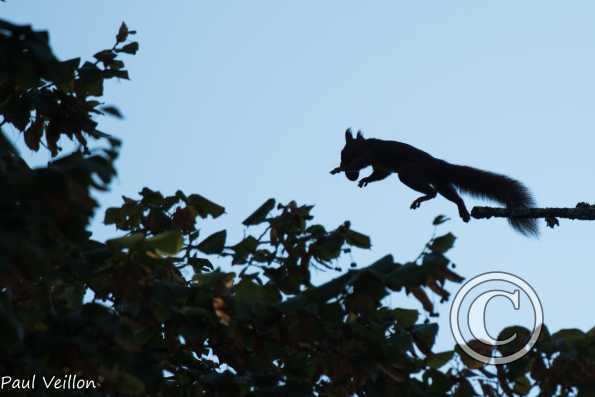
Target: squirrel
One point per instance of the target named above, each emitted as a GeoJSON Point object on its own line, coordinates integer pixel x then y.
{"type": "Point", "coordinates": [429, 175]}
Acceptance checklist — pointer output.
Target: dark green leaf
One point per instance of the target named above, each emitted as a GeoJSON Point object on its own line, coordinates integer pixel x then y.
{"type": "Point", "coordinates": [204, 206]}
{"type": "Point", "coordinates": [316, 230]}
{"type": "Point", "coordinates": [213, 244]}
{"type": "Point", "coordinates": [122, 33]}
{"type": "Point", "coordinates": [443, 243]}
{"type": "Point", "coordinates": [405, 317]}
{"type": "Point", "coordinates": [105, 56]}
{"type": "Point", "coordinates": [121, 74]}
{"type": "Point", "coordinates": [440, 219]}
{"type": "Point", "coordinates": [130, 48]}
{"type": "Point", "coordinates": [112, 110]}
{"type": "Point", "coordinates": [522, 385]}
{"type": "Point", "coordinates": [260, 214]}
{"type": "Point", "coordinates": [16, 111]}
{"type": "Point", "coordinates": [168, 243]}
{"type": "Point", "coordinates": [244, 248]}
{"type": "Point", "coordinates": [424, 336]}
{"type": "Point", "coordinates": [90, 80]}
{"type": "Point", "coordinates": [64, 71]}
{"type": "Point", "coordinates": [128, 241]}
{"type": "Point", "coordinates": [357, 239]}
{"type": "Point", "coordinates": [437, 360]}
{"type": "Point", "coordinates": [200, 264]}
{"type": "Point", "coordinates": [33, 135]}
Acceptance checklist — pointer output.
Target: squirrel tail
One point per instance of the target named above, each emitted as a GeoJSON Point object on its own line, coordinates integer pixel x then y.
{"type": "Point", "coordinates": [496, 187]}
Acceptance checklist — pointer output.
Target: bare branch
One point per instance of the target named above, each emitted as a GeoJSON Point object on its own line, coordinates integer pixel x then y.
{"type": "Point", "coordinates": [582, 211]}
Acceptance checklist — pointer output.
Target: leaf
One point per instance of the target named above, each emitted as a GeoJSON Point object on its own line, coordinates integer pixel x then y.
{"type": "Point", "coordinates": [465, 389]}
{"type": "Point", "coordinates": [440, 383]}
{"type": "Point", "coordinates": [451, 276]}
{"type": "Point", "coordinates": [185, 218]}
{"type": "Point", "coordinates": [204, 206]}
{"type": "Point", "coordinates": [90, 81]}
{"type": "Point", "coordinates": [326, 249]}
{"type": "Point", "coordinates": [151, 197]}
{"type": "Point", "coordinates": [128, 241]}
{"type": "Point", "coordinates": [569, 334]}
{"type": "Point", "coordinates": [111, 73]}
{"type": "Point", "coordinates": [569, 337]}
{"type": "Point", "coordinates": [130, 48]}
{"type": "Point", "coordinates": [105, 56]}
{"type": "Point", "coordinates": [33, 135]}
{"type": "Point", "coordinates": [243, 249]}
{"type": "Point", "coordinates": [215, 279]}
{"type": "Point", "coordinates": [316, 230]}
{"type": "Point", "coordinates": [213, 244]}
{"type": "Point", "coordinates": [423, 298]}
{"type": "Point", "coordinates": [112, 216]}
{"type": "Point", "coordinates": [200, 264]}
{"type": "Point", "coordinates": [405, 317]}
{"type": "Point", "coordinates": [440, 219]}
{"type": "Point", "coordinates": [16, 111]}
{"type": "Point", "coordinates": [260, 214]}
{"type": "Point", "coordinates": [64, 71]}
{"type": "Point", "coordinates": [247, 292]}
{"type": "Point", "coordinates": [521, 337]}
{"type": "Point", "coordinates": [117, 64]}
{"type": "Point", "coordinates": [439, 359]}
{"type": "Point", "coordinates": [424, 336]}
{"type": "Point", "coordinates": [168, 243]}
{"type": "Point", "coordinates": [357, 239]}
{"type": "Point", "coordinates": [443, 243]}
{"type": "Point", "coordinates": [112, 110]}
{"type": "Point", "coordinates": [477, 346]}
{"type": "Point", "coordinates": [522, 385]}
{"type": "Point", "coordinates": [122, 33]}
{"type": "Point", "coordinates": [52, 135]}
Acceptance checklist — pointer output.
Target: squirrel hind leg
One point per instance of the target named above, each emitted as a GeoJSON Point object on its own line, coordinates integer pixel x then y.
{"type": "Point", "coordinates": [450, 193]}
{"type": "Point", "coordinates": [419, 183]}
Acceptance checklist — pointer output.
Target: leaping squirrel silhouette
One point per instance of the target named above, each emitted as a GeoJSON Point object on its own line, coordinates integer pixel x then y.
{"type": "Point", "coordinates": [430, 176]}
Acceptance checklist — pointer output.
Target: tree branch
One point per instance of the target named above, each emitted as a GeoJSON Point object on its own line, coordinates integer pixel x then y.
{"type": "Point", "coordinates": [582, 211]}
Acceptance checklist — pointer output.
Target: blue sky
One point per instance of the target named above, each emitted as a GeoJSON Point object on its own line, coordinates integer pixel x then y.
{"type": "Point", "coordinates": [241, 101]}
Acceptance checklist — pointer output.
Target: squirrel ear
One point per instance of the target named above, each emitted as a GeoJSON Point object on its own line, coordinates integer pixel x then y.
{"type": "Point", "coordinates": [348, 135]}
{"type": "Point", "coordinates": [360, 136]}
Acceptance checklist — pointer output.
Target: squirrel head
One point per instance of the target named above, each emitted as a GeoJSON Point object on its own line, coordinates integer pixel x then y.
{"type": "Point", "coordinates": [354, 155]}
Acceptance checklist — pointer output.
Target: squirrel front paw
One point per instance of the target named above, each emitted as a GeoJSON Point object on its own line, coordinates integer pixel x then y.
{"type": "Point", "coordinates": [416, 203]}
{"type": "Point", "coordinates": [363, 182]}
